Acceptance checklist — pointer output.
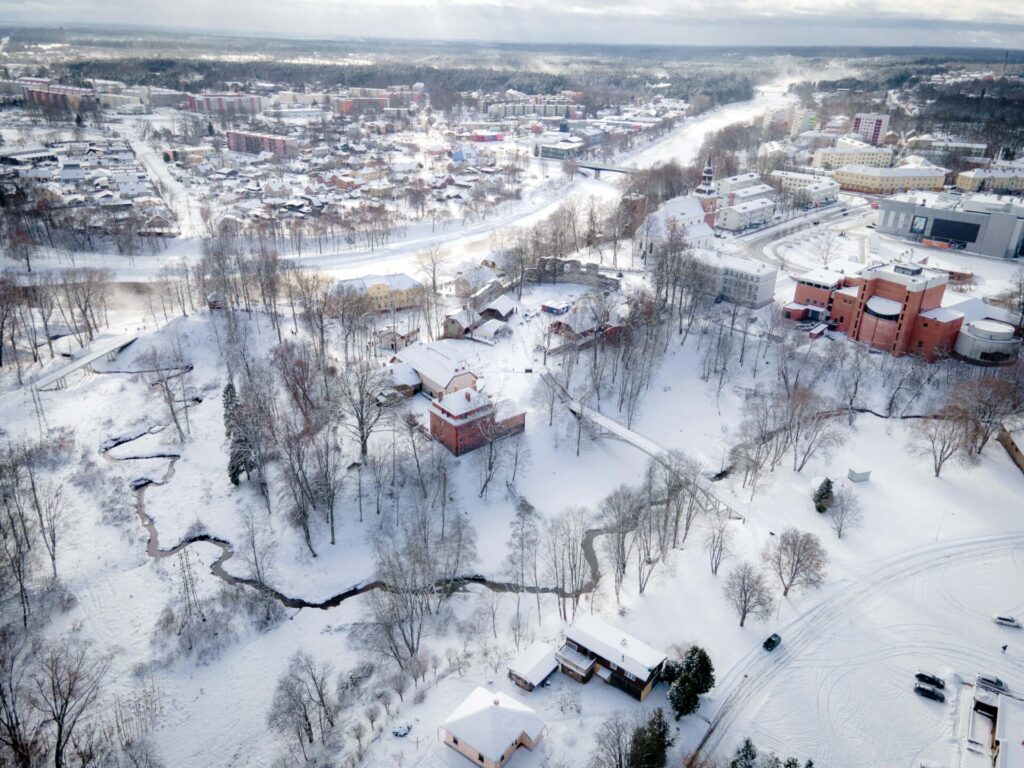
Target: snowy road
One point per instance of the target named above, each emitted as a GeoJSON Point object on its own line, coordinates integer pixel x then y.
{"type": "Point", "coordinates": [840, 686]}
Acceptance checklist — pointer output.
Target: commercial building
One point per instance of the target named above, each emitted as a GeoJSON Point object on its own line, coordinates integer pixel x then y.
{"type": "Point", "coordinates": [464, 420]}
{"type": "Point", "coordinates": [836, 157]}
{"type": "Point", "coordinates": [789, 181]}
{"type": "Point", "coordinates": [255, 143]}
{"type": "Point", "coordinates": [731, 183]}
{"type": "Point", "coordinates": [898, 308]}
{"type": "Point", "coordinates": [740, 216]}
{"type": "Point", "coordinates": [593, 647]}
{"type": "Point", "coordinates": [984, 224]}
{"type": "Point", "coordinates": [887, 181]}
{"type": "Point", "coordinates": [871, 126]}
{"type": "Point", "coordinates": [224, 103]}
{"type": "Point", "coordinates": [487, 728]}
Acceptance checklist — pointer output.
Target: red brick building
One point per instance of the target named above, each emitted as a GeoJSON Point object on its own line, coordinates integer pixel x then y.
{"type": "Point", "coordinates": [465, 420]}
{"type": "Point", "coordinates": [893, 307]}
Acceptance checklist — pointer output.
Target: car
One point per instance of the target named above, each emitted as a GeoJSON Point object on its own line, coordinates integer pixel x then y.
{"type": "Point", "coordinates": [1007, 621]}
{"type": "Point", "coordinates": [401, 730]}
{"type": "Point", "coordinates": [815, 222]}
{"type": "Point", "coordinates": [991, 683]}
{"type": "Point", "coordinates": [870, 226]}
{"type": "Point", "coordinates": [618, 275]}
{"type": "Point", "coordinates": [772, 643]}
{"type": "Point", "coordinates": [929, 679]}
{"type": "Point", "coordinates": [929, 693]}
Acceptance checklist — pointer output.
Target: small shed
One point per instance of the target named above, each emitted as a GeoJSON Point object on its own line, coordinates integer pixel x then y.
{"type": "Point", "coordinates": [533, 666]}
{"type": "Point", "coordinates": [555, 307]}
{"type": "Point", "coordinates": [491, 330]}
{"type": "Point", "coordinates": [501, 308]}
{"type": "Point", "coordinates": [456, 325]}
{"type": "Point", "coordinates": [859, 476]}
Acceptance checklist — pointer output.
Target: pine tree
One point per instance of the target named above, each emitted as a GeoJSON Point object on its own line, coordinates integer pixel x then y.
{"type": "Point", "coordinates": [683, 697]}
{"type": "Point", "coordinates": [230, 399]}
{"type": "Point", "coordinates": [698, 668]}
{"type": "Point", "coordinates": [823, 497]}
{"type": "Point", "coordinates": [791, 762]}
{"type": "Point", "coordinates": [650, 743]}
{"type": "Point", "coordinates": [746, 756]}
{"type": "Point", "coordinates": [670, 671]}
{"type": "Point", "coordinates": [809, 763]}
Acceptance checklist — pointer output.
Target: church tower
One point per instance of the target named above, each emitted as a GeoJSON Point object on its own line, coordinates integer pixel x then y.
{"type": "Point", "coordinates": [705, 192]}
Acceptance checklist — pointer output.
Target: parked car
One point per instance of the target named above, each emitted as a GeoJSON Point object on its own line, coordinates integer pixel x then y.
{"type": "Point", "coordinates": [772, 643]}
{"type": "Point", "coordinates": [618, 275]}
{"type": "Point", "coordinates": [991, 683]}
{"type": "Point", "coordinates": [930, 679]}
{"type": "Point", "coordinates": [1007, 621]}
{"type": "Point", "coordinates": [929, 693]}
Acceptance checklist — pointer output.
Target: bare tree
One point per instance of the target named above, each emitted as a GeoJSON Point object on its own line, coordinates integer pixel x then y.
{"type": "Point", "coordinates": [845, 513]}
{"type": "Point", "coordinates": [619, 511]}
{"type": "Point", "coordinates": [21, 728]}
{"type": "Point", "coordinates": [360, 388]}
{"type": "Point", "coordinates": [717, 542]}
{"type": "Point", "coordinates": [940, 438]}
{"type": "Point", "coordinates": [68, 680]}
{"type": "Point", "coordinates": [797, 558]}
{"type": "Point", "coordinates": [747, 591]}
{"type": "Point", "coordinates": [304, 709]}
{"type": "Point", "coordinates": [612, 743]}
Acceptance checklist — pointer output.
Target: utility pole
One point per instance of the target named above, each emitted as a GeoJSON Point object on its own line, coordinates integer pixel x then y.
{"type": "Point", "coordinates": [192, 608]}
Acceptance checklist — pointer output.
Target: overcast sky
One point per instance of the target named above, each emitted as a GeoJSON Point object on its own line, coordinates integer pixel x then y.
{"type": "Point", "coordinates": [995, 23]}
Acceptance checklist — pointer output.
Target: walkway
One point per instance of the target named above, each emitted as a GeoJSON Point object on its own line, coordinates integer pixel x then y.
{"type": "Point", "coordinates": [109, 348]}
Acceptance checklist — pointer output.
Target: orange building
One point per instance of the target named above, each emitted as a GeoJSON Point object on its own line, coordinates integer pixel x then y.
{"type": "Point", "coordinates": [463, 421]}
{"type": "Point", "coordinates": [893, 307]}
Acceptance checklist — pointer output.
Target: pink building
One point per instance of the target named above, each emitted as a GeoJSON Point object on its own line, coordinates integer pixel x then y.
{"type": "Point", "coordinates": [254, 143]}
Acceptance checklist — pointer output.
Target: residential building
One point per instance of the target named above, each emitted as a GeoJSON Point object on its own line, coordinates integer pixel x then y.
{"type": "Point", "coordinates": [789, 181]}
{"type": "Point", "coordinates": [224, 103]}
{"type": "Point", "coordinates": [458, 324]}
{"type": "Point", "coordinates": [873, 180]}
{"type": "Point", "coordinates": [438, 373]}
{"type": "Point", "coordinates": [740, 216]}
{"type": "Point", "coordinates": [254, 143]}
{"type": "Point", "coordinates": [836, 157]}
{"type": "Point", "coordinates": [488, 727]}
{"type": "Point", "coordinates": [996, 180]}
{"type": "Point", "coordinates": [1011, 437]}
{"type": "Point", "coordinates": [979, 223]}
{"type": "Point", "coordinates": [593, 647]}
{"type": "Point", "coordinates": [533, 666]}
{"type": "Point", "coordinates": [464, 420]}
{"type": "Point", "coordinates": [386, 293]}
{"type": "Point", "coordinates": [871, 126]}
{"type": "Point", "coordinates": [803, 120]}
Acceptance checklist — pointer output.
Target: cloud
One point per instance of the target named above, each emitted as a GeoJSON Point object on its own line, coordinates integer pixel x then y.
{"type": "Point", "coordinates": [926, 23]}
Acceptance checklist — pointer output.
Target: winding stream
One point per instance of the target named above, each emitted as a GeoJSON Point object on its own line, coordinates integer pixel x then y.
{"type": "Point", "coordinates": [227, 551]}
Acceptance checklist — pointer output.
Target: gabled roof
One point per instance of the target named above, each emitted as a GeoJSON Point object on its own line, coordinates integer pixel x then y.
{"type": "Point", "coordinates": [431, 362]}
{"type": "Point", "coordinates": [503, 305]}
{"type": "Point", "coordinates": [614, 645]}
{"type": "Point", "coordinates": [535, 664]}
{"type": "Point", "coordinates": [492, 722]}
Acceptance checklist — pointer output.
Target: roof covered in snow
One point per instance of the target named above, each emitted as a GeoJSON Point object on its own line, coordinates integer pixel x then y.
{"type": "Point", "coordinates": [1010, 732]}
{"type": "Point", "coordinates": [885, 307]}
{"type": "Point", "coordinates": [429, 361]}
{"type": "Point", "coordinates": [535, 664]}
{"type": "Point", "coordinates": [614, 645]}
{"type": "Point", "coordinates": [492, 722]}
{"type": "Point", "coordinates": [503, 305]}
{"type": "Point", "coordinates": [395, 282]}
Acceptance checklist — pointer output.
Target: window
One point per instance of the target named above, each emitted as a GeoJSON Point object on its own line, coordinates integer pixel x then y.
{"type": "Point", "coordinates": [455, 739]}
{"type": "Point", "coordinates": [480, 757]}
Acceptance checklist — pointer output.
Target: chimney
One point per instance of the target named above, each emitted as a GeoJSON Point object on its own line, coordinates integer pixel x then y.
{"type": "Point", "coordinates": [467, 395]}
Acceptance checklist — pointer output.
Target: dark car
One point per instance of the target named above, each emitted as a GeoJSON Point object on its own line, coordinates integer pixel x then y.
{"type": "Point", "coordinates": [929, 693]}
{"type": "Point", "coordinates": [772, 643]}
{"type": "Point", "coordinates": [930, 679]}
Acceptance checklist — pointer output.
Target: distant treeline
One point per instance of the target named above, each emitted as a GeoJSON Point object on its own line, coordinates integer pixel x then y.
{"type": "Point", "coordinates": [443, 83]}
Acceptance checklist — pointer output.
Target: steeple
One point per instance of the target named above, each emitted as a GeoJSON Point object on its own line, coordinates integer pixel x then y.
{"type": "Point", "coordinates": [705, 192]}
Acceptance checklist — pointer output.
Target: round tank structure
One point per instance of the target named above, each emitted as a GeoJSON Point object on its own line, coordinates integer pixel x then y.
{"type": "Point", "coordinates": [987, 342]}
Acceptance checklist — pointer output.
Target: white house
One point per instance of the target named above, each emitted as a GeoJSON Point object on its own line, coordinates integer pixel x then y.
{"type": "Point", "coordinates": [739, 279]}
{"type": "Point", "coordinates": [487, 728]}
{"type": "Point", "coordinates": [533, 666]}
